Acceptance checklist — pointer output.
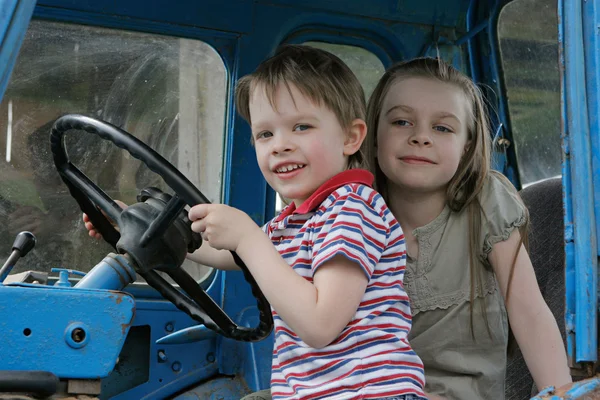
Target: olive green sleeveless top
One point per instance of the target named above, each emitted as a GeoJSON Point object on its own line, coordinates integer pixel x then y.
{"type": "Point", "coordinates": [461, 363]}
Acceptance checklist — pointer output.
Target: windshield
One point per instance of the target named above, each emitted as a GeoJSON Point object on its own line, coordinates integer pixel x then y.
{"type": "Point", "coordinates": [167, 91]}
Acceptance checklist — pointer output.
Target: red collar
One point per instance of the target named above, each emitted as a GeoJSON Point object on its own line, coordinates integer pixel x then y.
{"type": "Point", "coordinates": [360, 176]}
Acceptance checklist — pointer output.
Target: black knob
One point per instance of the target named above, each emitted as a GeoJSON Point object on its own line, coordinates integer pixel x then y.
{"type": "Point", "coordinates": [24, 242]}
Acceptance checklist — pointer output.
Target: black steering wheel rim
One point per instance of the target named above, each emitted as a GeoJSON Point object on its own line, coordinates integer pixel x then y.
{"type": "Point", "coordinates": [90, 197]}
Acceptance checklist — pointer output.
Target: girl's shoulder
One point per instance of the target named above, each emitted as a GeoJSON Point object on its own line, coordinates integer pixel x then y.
{"type": "Point", "coordinates": [502, 209]}
{"type": "Point", "coordinates": [498, 190]}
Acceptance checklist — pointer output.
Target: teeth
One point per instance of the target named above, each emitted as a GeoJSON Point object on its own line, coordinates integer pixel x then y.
{"type": "Point", "coordinates": [287, 168]}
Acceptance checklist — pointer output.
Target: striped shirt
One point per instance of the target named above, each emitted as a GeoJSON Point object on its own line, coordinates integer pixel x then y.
{"type": "Point", "coordinates": [371, 358]}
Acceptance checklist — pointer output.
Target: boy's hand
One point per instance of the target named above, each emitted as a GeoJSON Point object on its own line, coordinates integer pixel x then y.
{"type": "Point", "coordinates": [90, 227]}
{"type": "Point", "coordinates": [223, 227]}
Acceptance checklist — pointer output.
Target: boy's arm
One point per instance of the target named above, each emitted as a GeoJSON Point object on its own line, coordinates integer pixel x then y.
{"type": "Point", "coordinates": [220, 259]}
{"type": "Point", "coordinates": [317, 312]}
{"type": "Point", "coordinates": [530, 318]}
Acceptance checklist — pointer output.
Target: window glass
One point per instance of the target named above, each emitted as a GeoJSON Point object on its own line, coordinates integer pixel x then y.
{"type": "Point", "coordinates": [168, 92]}
{"type": "Point", "coordinates": [528, 34]}
{"type": "Point", "coordinates": [365, 65]}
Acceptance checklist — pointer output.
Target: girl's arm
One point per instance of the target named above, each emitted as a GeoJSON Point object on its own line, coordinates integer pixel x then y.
{"type": "Point", "coordinates": [317, 312]}
{"type": "Point", "coordinates": [530, 318]}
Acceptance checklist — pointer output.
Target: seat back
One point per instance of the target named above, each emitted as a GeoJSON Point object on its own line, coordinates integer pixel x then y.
{"type": "Point", "coordinates": [546, 250]}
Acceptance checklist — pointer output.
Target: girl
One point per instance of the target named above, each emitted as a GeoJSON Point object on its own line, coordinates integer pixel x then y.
{"type": "Point", "coordinates": [467, 271]}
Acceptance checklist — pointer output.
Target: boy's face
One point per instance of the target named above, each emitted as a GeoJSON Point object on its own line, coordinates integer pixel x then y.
{"type": "Point", "coordinates": [299, 145]}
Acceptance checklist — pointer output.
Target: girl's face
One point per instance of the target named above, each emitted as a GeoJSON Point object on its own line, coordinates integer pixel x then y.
{"type": "Point", "coordinates": [422, 134]}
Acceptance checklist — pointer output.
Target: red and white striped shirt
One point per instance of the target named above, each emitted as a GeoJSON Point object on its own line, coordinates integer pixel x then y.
{"type": "Point", "coordinates": [371, 358]}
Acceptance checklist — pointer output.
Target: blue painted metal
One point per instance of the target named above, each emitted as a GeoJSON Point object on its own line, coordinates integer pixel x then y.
{"type": "Point", "coordinates": [440, 13]}
{"type": "Point", "coordinates": [582, 390]}
{"type": "Point", "coordinates": [197, 361]}
{"type": "Point", "coordinates": [14, 18]}
{"type": "Point", "coordinates": [472, 32]}
{"type": "Point", "coordinates": [63, 276]}
{"type": "Point", "coordinates": [582, 277]}
{"type": "Point", "coordinates": [230, 16]}
{"type": "Point", "coordinates": [470, 22]}
{"type": "Point", "coordinates": [485, 68]}
{"type": "Point", "coordinates": [114, 272]}
{"type": "Point", "coordinates": [37, 322]}
{"type": "Point", "coordinates": [188, 335]}
{"type": "Point", "coordinates": [591, 24]}
{"type": "Point", "coordinates": [504, 161]}
{"type": "Point", "coordinates": [570, 289]}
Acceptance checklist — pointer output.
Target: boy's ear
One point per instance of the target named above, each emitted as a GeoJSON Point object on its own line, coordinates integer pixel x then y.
{"type": "Point", "coordinates": [355, 136]}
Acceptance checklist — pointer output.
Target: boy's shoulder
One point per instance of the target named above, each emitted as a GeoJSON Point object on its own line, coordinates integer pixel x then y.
{"type": "Point", "coordinates": [355, 196]}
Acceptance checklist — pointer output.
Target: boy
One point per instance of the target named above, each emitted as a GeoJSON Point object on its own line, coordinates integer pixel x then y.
{"type": "Point", "coordinates": [341, 314]}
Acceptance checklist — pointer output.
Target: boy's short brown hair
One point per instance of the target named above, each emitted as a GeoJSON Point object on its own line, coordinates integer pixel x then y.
{"type": "Point", "coordinates": [319, 75]}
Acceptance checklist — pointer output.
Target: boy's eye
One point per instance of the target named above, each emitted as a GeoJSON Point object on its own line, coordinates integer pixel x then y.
{"type": "Point", "coordinates": [263, 135]}
{"type": "Point", "coordinates": [401, 122]}
{"type": "Point", "coordinates": [441, 128]}
{"type": "Point", "coordinates": [302, 127]}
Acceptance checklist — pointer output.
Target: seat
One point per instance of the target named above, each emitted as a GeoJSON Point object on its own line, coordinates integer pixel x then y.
{"type": "Point", "coordinates": [547, 253]}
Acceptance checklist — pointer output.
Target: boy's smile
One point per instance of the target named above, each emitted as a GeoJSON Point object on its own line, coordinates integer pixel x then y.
{"type": "Point", "coordinates": [299, 144]}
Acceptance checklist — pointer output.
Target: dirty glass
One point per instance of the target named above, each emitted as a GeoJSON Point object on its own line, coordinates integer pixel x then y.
{"type": "Point", "coordinates": [528, 34]}
{"type": "Point", "coordinates": [168, 92]}
{"type": "Point", "coordinates": [365, 65]}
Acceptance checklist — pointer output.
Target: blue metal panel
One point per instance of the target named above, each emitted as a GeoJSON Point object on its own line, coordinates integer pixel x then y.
{"type": "Point", "coordinates": [579, 182]}
{"type": "Point", "coordinates": [570, 290]}
{"type": "Point", "coordinates": [179, 366]}
{"type": "Point", "coordinates": [37, 321]}
{"type": "Point", "coordinates": [175, 366]}
{"type": "Point", "coordinates": [14, 19]}
{"type": "Point", "coordinates": [230, 16]}
{"type": "Point", "coordinates": [591, 22]}
{"type": "Point", "coordinates": [471, 21]}
{"type": "Point", "coordinates": [440, 13]}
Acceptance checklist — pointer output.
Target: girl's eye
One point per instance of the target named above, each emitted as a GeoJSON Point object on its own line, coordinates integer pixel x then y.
{"type": "Point", "coordinates": [302, 127]}
{"type": "Point", "coordinates": [441, 128]}
{"type": "Point", "coordinates": [263, 135]}
{"type": "Point", "coordinates": [401, 122]}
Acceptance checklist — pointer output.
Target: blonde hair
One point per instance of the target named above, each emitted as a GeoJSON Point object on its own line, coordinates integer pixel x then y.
{"type": "Point", "coordinates": [319, 75]}
{"type": "Point", "coordinates": [465, 187]}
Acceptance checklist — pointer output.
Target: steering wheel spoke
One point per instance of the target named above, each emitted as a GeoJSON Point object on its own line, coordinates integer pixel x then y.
{"type": "Point", "coordinates": [93, 192]}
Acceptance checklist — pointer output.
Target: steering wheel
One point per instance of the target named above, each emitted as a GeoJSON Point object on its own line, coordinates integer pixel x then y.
{"type": "Point", "coordinates": [155, 232]}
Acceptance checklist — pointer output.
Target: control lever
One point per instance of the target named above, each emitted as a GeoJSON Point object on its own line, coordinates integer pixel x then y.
{"type": "Point", "coordinates": [24, 242]}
